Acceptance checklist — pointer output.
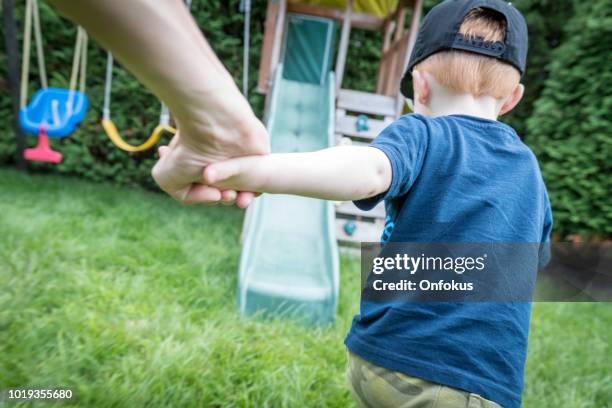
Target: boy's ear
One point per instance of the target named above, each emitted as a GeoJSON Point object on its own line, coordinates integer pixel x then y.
{"type": "Point", "coordinates": [514, 98]}
{"type": "Point", "coordinates": [420, 86]}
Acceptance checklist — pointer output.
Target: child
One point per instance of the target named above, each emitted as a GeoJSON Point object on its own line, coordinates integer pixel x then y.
{"type": "Point", "coordinates": [450, 172]}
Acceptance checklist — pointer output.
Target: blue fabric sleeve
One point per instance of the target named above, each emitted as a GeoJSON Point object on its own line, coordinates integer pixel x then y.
{"type": "Point", "coordinates": [404, 143]}
{"type": "Point", "coordinates": [544, 255]}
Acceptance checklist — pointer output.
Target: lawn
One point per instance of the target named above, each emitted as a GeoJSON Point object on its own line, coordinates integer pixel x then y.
{"type": "Point", "coordinates": [128, 298]}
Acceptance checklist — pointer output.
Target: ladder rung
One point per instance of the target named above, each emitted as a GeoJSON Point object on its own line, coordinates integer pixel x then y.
{"type": "Point", "coordinates": [346, 125]}
{"type": "Point", "coordinates": [365, 102]}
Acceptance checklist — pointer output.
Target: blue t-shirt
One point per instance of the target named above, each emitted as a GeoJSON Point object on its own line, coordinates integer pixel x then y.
{"type": "Point", "coordinates": [456, 179]}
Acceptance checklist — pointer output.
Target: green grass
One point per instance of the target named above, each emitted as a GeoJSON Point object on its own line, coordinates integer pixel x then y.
{"type": "Point", "coordinates": [128, 298]}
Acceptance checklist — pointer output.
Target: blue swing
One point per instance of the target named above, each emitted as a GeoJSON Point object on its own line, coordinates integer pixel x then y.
{"type": "Point", "coordinates": [52, 112]}
{"type": "Point", "coordinates": [52, 108]}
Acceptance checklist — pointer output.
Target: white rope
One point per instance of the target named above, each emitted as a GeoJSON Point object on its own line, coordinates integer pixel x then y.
{"type": "Point", "coordinates": [25, 54]}
{"type": "Point", "coordinates": [245, 5]}
{"type": "Point", "coordinates": [79, 67]}
{"type": "Point", "coordinates": [42, 70]}
{"type": "Point", "coordinates": [83, 72]}
{"type": "Point", "coordinates": [76, 60]}
{"type": "Point", "coordinates": [164, 116]}
{"type": "Point", "coordinates": [108, 82]}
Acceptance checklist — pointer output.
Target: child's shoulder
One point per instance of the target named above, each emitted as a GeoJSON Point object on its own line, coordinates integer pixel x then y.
{"type": "Point", "coordinates": [450, 123]}
{"type": "Point", "coordinates": [410, 126]}
{"type": "Point", "coordinates": [443, 129]}
{"type": "Point", "coordinates": [413, 118]}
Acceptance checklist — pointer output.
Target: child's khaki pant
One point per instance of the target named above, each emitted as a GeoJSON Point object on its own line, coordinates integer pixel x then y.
{"type": "Point", "coordinates": [376, 387]}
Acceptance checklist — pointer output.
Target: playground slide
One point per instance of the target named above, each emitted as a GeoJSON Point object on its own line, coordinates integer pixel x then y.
{"type": "Point", "coordinates": [289, 262]}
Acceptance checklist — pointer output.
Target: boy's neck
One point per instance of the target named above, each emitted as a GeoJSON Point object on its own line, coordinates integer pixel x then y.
{"type": "Point", "coordinates": [443, 102]}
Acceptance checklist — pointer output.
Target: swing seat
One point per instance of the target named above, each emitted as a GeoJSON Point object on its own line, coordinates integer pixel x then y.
{"type": "Point", "coordinates": [49, 109]}
{"type": "Point", "coordinates": [113, 134]}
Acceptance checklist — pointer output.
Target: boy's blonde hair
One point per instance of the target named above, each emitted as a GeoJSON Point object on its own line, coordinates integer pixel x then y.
{"type": "Point", "coordinates": [466, 72]}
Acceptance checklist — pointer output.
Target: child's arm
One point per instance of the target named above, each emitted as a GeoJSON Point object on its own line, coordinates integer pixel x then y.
{"type": "Point", "coordinates": [338, 173]}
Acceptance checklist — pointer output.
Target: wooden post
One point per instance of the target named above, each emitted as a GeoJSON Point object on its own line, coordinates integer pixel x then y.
{"type": "Point", "coordinates": [344, 42]}
{"type": "Point", "coordinates": [389, 27]}
{"type": "Point", "coordinates": [266, 50]}
{"type": "Point", "coordinates": [399, 29]}
{"type": "Point", "coordinates": [383, 64]}
{"type": "Point", "coordinates": [388, 87]}
{"type": "Point", "coordinates": [417, 9]}
{"type": "Point", "coordinates": [278, 38]}
{"type": "Point", "coordinates": [12, 53]}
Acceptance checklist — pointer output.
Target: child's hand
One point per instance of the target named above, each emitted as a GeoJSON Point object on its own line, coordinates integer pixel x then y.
{"type": "Point", "coordinates": [248, 173]}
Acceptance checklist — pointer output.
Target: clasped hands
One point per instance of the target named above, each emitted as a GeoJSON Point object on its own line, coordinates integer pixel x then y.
{"type": "Point", "coordinates": [180, 168]}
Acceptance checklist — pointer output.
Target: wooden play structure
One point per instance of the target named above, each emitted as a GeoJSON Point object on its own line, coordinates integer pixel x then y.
{"type": "Point", "coordinates": [359, 115]}
{"type": "Point", "coordinates": [289, 263]}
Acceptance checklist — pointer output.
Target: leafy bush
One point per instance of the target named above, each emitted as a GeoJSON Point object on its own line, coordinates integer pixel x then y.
{"type": "Point", "coordinates": [579, 208]}
{"type": "Point", "coordinates": [545, 21]}
{"type": "Point", "coordinates": [570, 126]}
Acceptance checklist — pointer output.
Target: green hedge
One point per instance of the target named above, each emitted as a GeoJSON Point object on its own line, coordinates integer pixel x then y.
{"type": "Point", "coordinates": [135, 111]}
{"type": "Point", "coordinates": [545, 20]}
{"type": "Point", "coordinates": [571, 126]}
{"type": "Point", "coordinates": [90, 154]}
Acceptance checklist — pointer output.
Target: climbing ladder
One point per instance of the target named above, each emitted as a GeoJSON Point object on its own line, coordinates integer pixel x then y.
{"type": "Point", "coordinates": [360, 117]}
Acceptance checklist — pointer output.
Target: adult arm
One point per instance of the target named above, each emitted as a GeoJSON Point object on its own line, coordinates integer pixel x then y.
{"type": "Point", "coordinates": [159, 42]}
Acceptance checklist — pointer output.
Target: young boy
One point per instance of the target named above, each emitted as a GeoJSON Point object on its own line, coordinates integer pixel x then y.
{"type": "Point", "coordinates": [450, 172]}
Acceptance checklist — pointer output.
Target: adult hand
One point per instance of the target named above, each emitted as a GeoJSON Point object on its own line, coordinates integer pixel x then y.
{"type": "Point", "coordinates": [179, 169]}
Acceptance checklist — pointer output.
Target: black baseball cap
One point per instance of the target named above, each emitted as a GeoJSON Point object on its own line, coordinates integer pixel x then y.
{"type": "Point", "coordinates": [439, 31]}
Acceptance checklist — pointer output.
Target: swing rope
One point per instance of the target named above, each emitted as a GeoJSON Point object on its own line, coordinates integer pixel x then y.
{"type": "Point", "coordinates": [39, 46]}
{"type": "Point", "coordinates": [79, 66]}
{"type": "Point", "coordinates": [107, 86]}
{"type": "Point", "coordinates": [79, 61]}
{"type": "Point", "coordinates": [25, 61]}
{"type": "Point", "coordinates": [245, 7]}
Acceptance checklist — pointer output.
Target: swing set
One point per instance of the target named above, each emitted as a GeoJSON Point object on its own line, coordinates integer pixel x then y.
{"type": "Point", "coordinates": [52, 112]}
{"type": "Point", "coordinates": [56, 112]}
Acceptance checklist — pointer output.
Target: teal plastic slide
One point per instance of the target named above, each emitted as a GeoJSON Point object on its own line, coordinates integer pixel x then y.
{"type": "Point", "coordinates": [289, 261]}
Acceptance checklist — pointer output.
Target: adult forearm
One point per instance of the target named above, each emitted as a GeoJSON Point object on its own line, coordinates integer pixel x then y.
{"type": "Point", "coordinates": [159, 42]}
